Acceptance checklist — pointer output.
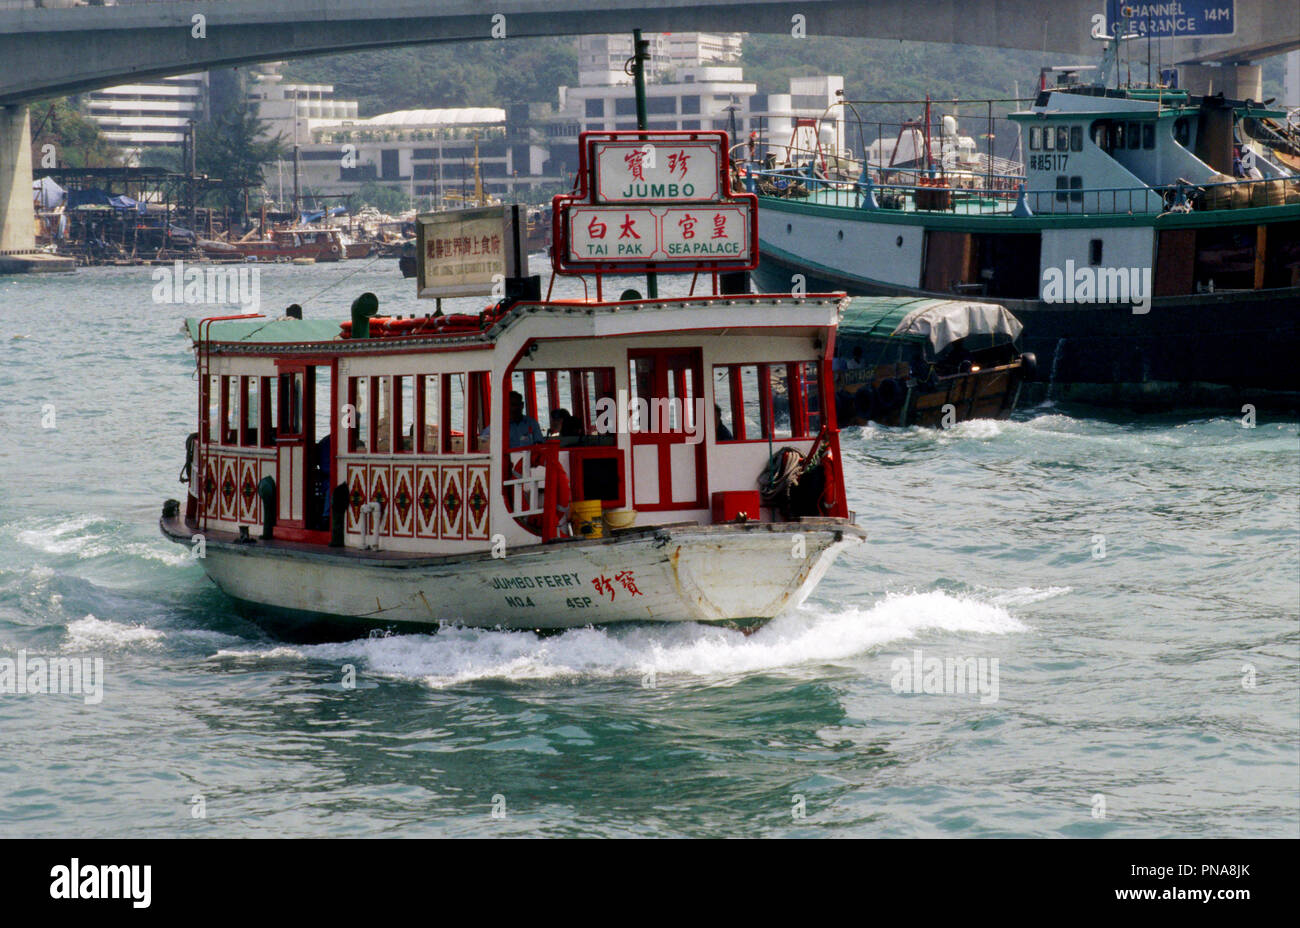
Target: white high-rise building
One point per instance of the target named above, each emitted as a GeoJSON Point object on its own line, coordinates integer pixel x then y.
{"type": "Point", "coordinates": [293, 110]}
{"type": "Point", "coordinates": [149, 114]}
{"type": "Point", "coordinates": [602, 58]}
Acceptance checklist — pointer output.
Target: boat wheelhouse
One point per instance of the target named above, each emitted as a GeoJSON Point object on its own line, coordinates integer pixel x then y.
{"type": "Point", "coordinates": [389, 471]}
{"type": "Point", "coordinates": [1150, 245]}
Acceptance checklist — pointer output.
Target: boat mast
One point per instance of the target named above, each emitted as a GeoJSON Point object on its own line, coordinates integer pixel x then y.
{"type": "Point", "coordinates": [640, 52]}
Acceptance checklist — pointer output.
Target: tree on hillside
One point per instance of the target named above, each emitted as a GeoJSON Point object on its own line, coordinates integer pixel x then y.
{"type": "Point", "coordinates": [77, 140]}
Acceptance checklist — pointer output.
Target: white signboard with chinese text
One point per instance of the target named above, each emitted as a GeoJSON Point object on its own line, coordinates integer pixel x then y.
{"type": "Point", "coordinates": [699, 232]}
{"type": "Point", "coordinates": [462, 252]}
{"type": "Point", "coordinates": [659, 169]}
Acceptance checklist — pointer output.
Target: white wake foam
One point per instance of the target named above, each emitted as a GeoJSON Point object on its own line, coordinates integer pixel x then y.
{"type": "Point", "coordinates": [802, 640]}
{"type": "Point", "coordinates": [91, 632]}
{"type": "Point", "coordinates": [90, 536]}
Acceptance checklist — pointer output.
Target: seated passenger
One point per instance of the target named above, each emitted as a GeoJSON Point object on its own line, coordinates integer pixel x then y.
{"type": "Point", "coordinates": [565, 426]}
{"type": "Point", "coordinates": [524, 430]}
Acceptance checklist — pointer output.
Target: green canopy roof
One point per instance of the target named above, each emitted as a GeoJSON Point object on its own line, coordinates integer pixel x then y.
{"type": "Point", "coordinates": [879, 316]}
{"type": "Point", "coordinates": [927, 321]}
{"type": "Point", "coordinates": [266, 331]}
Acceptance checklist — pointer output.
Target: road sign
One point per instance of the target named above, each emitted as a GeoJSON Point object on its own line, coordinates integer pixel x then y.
{"type": "Point", "coordinates": [1174, 19]}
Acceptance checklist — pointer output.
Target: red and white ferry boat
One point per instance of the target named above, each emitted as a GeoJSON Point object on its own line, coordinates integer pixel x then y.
{"type": "Point", "coordinates": [451, 469]}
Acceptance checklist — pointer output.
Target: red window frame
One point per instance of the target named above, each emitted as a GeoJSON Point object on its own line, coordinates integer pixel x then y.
{"type": "Point", "coordinates": [797, 388]}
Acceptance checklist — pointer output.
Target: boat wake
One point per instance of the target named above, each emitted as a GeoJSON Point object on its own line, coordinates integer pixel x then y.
{"type": "Point", "coordinates": [809, 637]}
{"type": "Point", "coordinates": [86, 537]}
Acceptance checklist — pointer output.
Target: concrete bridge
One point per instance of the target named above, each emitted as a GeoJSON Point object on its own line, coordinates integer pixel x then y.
{"type": "Point", "coordinates": [56, 47]}
{"type": "Point", "coordinates": [51, 47]}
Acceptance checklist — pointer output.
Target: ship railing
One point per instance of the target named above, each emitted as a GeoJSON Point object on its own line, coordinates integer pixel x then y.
{"type": "Point", "coordinates": [531, 485]}
{"type": "Point", "coordinates": [949, 195]}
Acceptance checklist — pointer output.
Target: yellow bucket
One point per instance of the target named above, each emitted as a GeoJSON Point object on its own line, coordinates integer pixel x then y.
{"type": "Point", "coordinates": [585, 515]}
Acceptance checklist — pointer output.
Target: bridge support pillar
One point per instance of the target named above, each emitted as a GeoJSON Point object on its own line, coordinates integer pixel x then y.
{"type": "Point", "coordinates": [17, 217]}
{"type": "Point", "coordinates": [1234, 81]}
{"type": "Point", "coordinates": [17, 214]}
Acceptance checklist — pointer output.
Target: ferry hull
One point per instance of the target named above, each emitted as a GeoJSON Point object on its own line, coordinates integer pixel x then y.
{"type": "Point", "coordinates": [727, 574]}
{"type": "Point", "coordinates": [1211, 349]}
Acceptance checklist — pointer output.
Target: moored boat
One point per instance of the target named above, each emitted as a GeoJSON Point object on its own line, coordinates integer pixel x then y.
{"type": "Point", "coordinates": [907, 361]}
{"type": "Point", "coordinates": [1150, 245]}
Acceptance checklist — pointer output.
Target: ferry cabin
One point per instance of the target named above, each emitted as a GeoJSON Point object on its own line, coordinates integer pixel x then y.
{"type": "Point", "coordinates": [676, 406]}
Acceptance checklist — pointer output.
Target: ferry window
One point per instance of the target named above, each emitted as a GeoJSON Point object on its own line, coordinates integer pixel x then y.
{"type": "Point", "coordinates": [1117, 136]}
{"type": "Point", "coordinates": [778, 389]}
{"type": "Point", "coordinates": [594, 386]}
{"type": "Point", "coordinates": [359, 418]}
{"type": "Point", "coordinates": [542, 399]}
{"type": "Point", "coordinates": [753, 422]}
{"type": "Point", "coordinates": [1148, 135]}
{"type": "Point", "coordinates": [384, 415]}
{"type": "Point", "coordinates": [269, 410]}
{"type": "Point", "coordinates": [249, 422]}
{"type": "Point", "coordinates": [1062, 138]}
{"type": "Point", "coordinates": [564, 398]}
{"type": "Point", "coordinates": [1062, 188]}
{"type": "Point", "coordinates": [641, 380]}
{"type": "Point", "coordinates": [1049, 138]}
{"type": "Point", "coordinates": [810, 388]}
{"type": "Point", "coordinates": [1035, 138]}
{"type": "Point", "coordinates": [404, 413]}
{"type": "Point", "coordinates": [230, 416]}
{"type": "Point", "coordinates": [212, 427]}
{"type": "Point", "coordinates": [430, 409]}
{"type": "Point", "coordinates": [1076, 189]}
{"type": "Point", "coordinates": [291, 404]}
{"type": "Point", "coordinates": [1183, 131]}
{"type": "Point", "coordinates": [453, 407]}
{"type": "Point", "coordinates": [480, 399]}
{"type": "Point", "coordinates": [322, 417]}
{"type": "Point", "coordinates": [1134, 135]}
{"type": "Point", "coordinates": [1094, 252]}
{"type": "Point", "coordinates": [723, 408]}
{"type": "Point", "coordinates": [1076, 138]}
{"type": "Point", "coordinates": [754, 402]}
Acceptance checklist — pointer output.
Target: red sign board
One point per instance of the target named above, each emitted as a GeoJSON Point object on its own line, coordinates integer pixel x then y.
{"type": "Point", "coordinates": [654, 201]}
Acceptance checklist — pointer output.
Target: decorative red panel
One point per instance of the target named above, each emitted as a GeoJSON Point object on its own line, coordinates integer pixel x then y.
{"type": "Point", "coordinates": [358, 496]}
{"type": "Point", "coordinates": [428, 501]}
{"type": "Point", "coordinates": [381, 493]}
{"type": "Point", "coordinates": [209, 489]}
{"type": "Point", "coordinates": [250, 504]}
{"type": "Point", "coordinates": [476, 502]}
{"type": "Point", "coordinates": [228, 488]}
{"type": "Point", "coordinates": [452, 520]}
{"type": "Point", "coordinates": [402, 507]}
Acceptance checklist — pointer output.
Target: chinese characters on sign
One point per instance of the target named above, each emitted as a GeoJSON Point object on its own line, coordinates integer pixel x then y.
{"type": "Point", "coordinates": [655, 201]}
{"type": "Point", "coordinates": [718, 231]}
{"type": "Point", "coordinates": [461, 251]}
{"type": "Point", "coordinates": [661, 170]}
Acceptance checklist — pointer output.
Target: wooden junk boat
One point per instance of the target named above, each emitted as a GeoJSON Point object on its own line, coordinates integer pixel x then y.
{"type": "Point", "coordinates": [372, 475]}
{"type": "Point", "coordinates": [910, 361]}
